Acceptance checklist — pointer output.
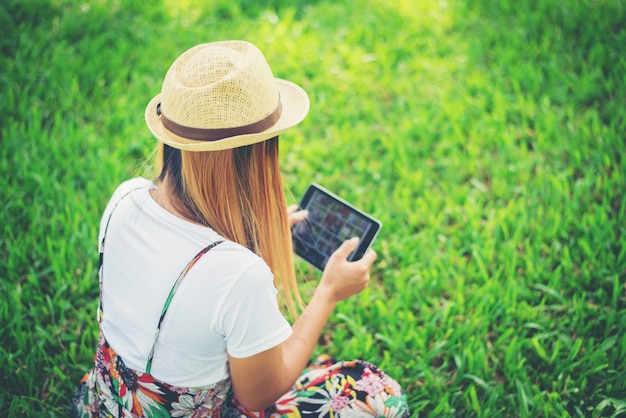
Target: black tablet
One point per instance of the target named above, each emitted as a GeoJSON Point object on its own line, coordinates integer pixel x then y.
{"type": "Point", "coordinates": [330, 222]}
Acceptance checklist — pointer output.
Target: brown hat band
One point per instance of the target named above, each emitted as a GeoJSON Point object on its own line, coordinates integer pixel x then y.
{"type": "Point", "coordinates": [202, 134]}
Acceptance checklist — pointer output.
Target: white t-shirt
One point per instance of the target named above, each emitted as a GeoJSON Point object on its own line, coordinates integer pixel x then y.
{"type": "Point", "coordinates": [226, 304]}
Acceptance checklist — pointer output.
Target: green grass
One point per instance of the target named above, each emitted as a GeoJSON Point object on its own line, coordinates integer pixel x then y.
{"type": "Point", "coordinates": [489, 138]}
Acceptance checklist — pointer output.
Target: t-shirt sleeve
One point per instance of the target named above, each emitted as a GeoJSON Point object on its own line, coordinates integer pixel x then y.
{"type": "Point", "coordinates": [251, 320]}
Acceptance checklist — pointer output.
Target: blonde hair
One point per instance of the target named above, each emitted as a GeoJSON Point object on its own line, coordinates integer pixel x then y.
{"type": "Point", "coordinates": [239, 193]}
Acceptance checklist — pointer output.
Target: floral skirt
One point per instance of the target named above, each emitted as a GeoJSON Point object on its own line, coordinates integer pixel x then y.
{"type": "Point", "coordinates": [325, 389]}
{"type": "Point", "coordinates": [339, 389]}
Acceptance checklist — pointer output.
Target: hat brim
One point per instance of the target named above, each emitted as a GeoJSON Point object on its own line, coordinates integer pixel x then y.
{"type": "Point", "coordinates": [295, 103]}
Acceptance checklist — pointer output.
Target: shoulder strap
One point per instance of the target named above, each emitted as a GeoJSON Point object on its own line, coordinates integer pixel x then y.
{"type": "Point", "coordinates": [171, 296]}
{"type": "Point", "coordinates": [101, 248]}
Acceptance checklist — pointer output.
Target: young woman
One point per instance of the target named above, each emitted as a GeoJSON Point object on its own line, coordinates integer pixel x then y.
{"type": "Point", "coordinates": [191, 265]}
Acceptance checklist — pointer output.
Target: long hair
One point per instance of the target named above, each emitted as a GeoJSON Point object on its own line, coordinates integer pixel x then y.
{"type": "Point", "coordinates": [239, 193]}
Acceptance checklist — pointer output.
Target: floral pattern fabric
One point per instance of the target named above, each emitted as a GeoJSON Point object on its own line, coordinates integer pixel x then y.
{"type": "Point", "coordinates": [348, 389]}
{"type": "Point", "coordinates": [111, 389]}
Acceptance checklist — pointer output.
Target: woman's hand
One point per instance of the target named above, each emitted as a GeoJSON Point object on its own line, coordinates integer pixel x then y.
{"type": "Point", "coordinates": [342, 278]}
{"type": "Point", "coordinates": [296, 215]}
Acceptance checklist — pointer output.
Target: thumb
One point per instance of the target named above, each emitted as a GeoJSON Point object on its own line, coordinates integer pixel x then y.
{"type": "Point", "coordinates": [347, 247]}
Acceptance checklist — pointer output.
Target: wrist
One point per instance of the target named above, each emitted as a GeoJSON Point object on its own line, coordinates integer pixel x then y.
{"type": "Point", "coordinates": [325, 296]}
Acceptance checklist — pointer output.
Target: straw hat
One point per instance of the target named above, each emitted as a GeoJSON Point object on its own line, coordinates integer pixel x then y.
{"type": "Point", "coordinates": [223, 95]}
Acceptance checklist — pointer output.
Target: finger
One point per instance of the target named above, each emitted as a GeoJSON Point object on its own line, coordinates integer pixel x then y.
{"type": "Point", "coordinates": [347, 247]}
{"type": "Point", "coordinates": [296, 217]}
{"type": "Point", "coordinates": [369, 257]}
{"type": "Point", "coordinates": [291, 209]}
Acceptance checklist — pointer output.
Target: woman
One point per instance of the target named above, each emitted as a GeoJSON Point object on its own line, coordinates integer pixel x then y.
{"type": "Point", "coordinates": [190, 267]}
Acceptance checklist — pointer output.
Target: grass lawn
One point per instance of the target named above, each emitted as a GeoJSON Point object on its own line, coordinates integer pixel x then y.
{"type": "Point", "coordinates": [488, 137]}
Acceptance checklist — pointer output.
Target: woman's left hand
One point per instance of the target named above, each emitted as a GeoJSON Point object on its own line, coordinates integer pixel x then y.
{"type": "Point", "coordinates": [296, 215]}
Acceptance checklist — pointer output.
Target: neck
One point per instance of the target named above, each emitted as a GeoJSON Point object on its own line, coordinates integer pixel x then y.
{"type": "Point", "coordinates": [166, 198]}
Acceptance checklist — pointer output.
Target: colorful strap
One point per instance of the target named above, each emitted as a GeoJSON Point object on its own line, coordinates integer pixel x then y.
{"type": "Point", "coordinates": [171, 296]}
{"type": "Point", "coordinates": [101, 252]}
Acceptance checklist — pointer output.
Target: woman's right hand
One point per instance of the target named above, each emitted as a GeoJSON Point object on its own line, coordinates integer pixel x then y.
{"type": "Point", "coordinates": [342, 278]}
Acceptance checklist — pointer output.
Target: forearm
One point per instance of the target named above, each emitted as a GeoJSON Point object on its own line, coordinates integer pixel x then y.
{"type": "Point", "coordinates": [297, 350]}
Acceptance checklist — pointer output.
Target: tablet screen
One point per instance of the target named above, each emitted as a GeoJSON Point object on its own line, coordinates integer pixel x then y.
{"type": "Point", "coordinates": [330, 222]}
